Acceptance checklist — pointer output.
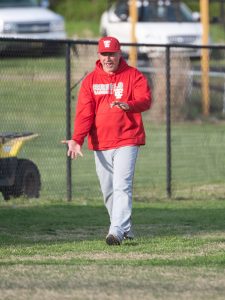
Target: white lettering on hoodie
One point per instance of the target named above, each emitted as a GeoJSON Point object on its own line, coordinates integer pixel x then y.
{"type": "Point", "coordinates": [109, 89]}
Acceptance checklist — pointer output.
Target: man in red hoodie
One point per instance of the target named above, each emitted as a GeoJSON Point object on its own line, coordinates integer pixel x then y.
{"type": "Point", "coordinates": [110, 102]}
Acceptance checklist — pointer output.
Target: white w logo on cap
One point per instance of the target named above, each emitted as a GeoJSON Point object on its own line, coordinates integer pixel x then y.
{"type": "Point", "coordinates": [107, 43]}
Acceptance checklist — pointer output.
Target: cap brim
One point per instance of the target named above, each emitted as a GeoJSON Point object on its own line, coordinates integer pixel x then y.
{"type": "Point", "coordinates": [109, 51]}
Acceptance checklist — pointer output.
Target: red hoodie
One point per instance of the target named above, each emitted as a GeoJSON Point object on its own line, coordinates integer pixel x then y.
{"type": "Point", "coordinates": [107, 127]}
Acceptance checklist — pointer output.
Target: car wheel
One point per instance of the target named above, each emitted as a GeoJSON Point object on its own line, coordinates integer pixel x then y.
{"type": "Point", "coordinates": [27, 180]}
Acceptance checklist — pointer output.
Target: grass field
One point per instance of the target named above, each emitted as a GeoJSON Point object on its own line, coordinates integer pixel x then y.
{"type": "Point", "coordinates": [58, 251]}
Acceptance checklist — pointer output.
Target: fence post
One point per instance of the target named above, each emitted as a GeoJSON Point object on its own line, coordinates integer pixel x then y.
{"type": "Point", "coordinates": [68, 120]}
{"type": "Point", "coordinates": [168, 125]}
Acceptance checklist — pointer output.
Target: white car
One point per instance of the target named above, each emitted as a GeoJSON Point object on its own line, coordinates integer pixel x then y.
{"type": "Point", "coordinates": [159, 22]}
{"type": "Point", "coordinates": [29, 19]}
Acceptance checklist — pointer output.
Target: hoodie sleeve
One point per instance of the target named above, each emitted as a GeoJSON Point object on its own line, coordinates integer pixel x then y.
{"type": "Point", "coordinates": [85, 110]}
{"type": "Point", "coordinates": [141, 99]}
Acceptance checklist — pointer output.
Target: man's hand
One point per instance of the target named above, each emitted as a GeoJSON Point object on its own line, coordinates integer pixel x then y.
{"type": "Point", "coordinates": [74, 149]}
{"type": "Point", "coordinates": [122, 105]}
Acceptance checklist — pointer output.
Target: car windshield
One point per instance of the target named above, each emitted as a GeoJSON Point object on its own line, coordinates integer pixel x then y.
{"type": "Point", "coordinates": [156, 12]}
{"type": "Point", "coordinates": [18, 3]}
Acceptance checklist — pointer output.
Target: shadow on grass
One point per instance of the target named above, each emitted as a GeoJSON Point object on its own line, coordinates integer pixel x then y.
{"type": "Point", "coordinates": [70, 222]}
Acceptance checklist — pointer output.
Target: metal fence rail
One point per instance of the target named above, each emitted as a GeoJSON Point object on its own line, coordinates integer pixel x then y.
{"type": "Point", "coordinates": [184, 154]}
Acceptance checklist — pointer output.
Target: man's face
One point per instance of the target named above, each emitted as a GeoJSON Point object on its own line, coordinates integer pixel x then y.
{"type": "Point", "coordinates": [109, 61]}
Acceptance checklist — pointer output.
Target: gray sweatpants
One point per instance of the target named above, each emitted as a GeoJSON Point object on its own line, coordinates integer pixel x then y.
{"type": "Point", "coordinates": [115, 170]}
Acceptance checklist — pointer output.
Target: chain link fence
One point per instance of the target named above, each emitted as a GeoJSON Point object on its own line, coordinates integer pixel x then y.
{"type": "Point", "coordinates": [184, 155]}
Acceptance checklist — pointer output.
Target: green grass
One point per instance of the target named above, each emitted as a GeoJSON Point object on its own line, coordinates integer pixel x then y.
{"type": "Point", "coordinates": [82, 29]}
{"type": "Point", "coordinates": [58, 251]}
{"type": "Point", "coordinates": [217, 33]}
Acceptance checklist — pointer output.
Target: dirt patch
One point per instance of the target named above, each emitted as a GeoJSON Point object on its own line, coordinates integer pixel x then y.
{"type": "Point", "coordinates": [110, 282]}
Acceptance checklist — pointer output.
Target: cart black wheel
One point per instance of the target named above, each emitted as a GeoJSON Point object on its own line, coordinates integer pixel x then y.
{"type": "Point", "coordinates": [27, 180]}
{"type": "Point", "coordinates": [6, 192]}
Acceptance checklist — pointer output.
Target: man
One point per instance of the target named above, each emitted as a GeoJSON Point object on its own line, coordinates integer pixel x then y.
{"type": "Point", "coordinates": [110, 102]}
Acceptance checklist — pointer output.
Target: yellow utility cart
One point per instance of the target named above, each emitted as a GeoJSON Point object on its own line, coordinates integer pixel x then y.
{"type": "Point", "coordinates": [18, 176]}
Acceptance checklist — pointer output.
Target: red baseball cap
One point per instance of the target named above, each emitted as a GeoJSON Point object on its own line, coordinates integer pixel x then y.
{"type": "Point", "coordinates": [108, 44]}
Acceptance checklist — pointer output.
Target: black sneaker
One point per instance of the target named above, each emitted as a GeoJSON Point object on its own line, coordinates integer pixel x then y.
{"type": "Point", "coordinates": [112, 240]}
{"type": "Point", "coordinates": [128, 235]}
